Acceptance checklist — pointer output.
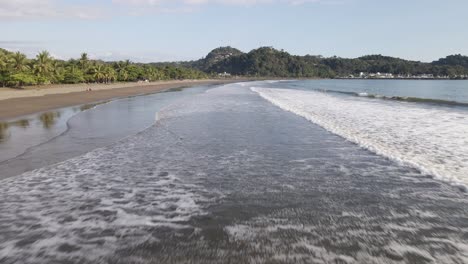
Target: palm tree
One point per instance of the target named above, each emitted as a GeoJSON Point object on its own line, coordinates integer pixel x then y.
{"type": "Point", "coordinates": [121, 68]}
{"type": "Point", "coordinates": [19, 62]}
{"type": "Point", "coordinates": [73, 74]}
{"type": "Point", "coordinates": [3, 61]}
{"type": "Point", "coordinates": [43, 64]}
{"type": "Point", "coordinates": [109, 74]}
{"type": "Point", "coordinates": [123, 75]}
{"type": "Point", "coordinates": [58, 71]}
{"type": "Point", "coordinates": [84, 61]}
{"type": "Point", "coordinates": [98, 73]}
{"type": "Point", "coordinates": [150, 73]}
{"type": "Point", "coordinates": [72, 69]}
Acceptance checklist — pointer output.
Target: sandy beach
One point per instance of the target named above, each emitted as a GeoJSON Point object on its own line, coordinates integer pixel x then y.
{"type": "Point", "coordinates": [18, 102]}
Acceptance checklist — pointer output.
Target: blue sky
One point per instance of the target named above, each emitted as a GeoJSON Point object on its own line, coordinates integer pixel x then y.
{"type": "Point", "coordinates": [161, 30]}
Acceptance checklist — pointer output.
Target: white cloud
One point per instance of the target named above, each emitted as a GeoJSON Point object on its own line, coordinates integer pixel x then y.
{"type": "Point", "coordinates": [156, 3]}
{"type": "Point", "coordinates": [140, 7]}
{"type": "Point", "coordinates": [11, 9]}
{"type": "Point", "coordinates": [63, 9]}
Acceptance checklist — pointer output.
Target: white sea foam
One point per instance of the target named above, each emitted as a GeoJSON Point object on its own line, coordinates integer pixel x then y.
{"type": "Point", "coordinates": [311, 243]}
{"type": "Point", "coordinates": [432, 139]}
{"type": "Point", "coordinates": [88, 207]}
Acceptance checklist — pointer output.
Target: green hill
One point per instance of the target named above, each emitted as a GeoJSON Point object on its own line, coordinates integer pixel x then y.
{"type": "Point", "coordinates": [270, 62]}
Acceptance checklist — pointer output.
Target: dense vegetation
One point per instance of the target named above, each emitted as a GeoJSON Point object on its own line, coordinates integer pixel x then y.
{"type": "Point", "coordinates": [269, 62]}
{"type": "Point", "coordinates": [17, 70]}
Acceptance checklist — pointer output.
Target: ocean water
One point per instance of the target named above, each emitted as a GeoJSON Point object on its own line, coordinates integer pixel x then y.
{"type": "Point", "coordinates": [432, 138]}
{"type": "Point", "coordinates": [227, 176]}
{"type": "Point", "coordinates": [18, 135]}
{"type": "Point", "coordinates": [447, 92]}
{"type": "Point", "coordinates": [36, 141]}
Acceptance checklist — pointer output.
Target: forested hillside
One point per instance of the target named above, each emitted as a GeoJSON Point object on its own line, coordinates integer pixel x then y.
{"type": "Point", "coordinates": [17, 70]}
{"type": "Point", "coordinates": [270, 62]}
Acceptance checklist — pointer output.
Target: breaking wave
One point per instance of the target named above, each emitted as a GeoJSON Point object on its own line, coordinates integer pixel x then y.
{"type": "Point", "coordinates": [432, 139]}
{"type": "Point", "coordinates": [398, 98]}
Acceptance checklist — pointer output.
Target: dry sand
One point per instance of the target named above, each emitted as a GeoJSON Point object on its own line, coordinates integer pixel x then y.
{"type": "Point", "coordinates": [18, 102]}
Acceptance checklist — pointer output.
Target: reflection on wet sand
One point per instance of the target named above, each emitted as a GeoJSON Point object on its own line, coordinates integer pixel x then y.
{"type": "Point", "coordinates": [178, 89]}
{"type": "Point", "coordinates": [89, 106]}
{"type": "Point", "coordinates": [18, 135]}
{"type": "Point", "coordinates": [23, 123]}
{"type": "Point", "coordinates": [4, 131]}
{"type": "Point", "coordinates": [74, 134]}
{"type": "Point", "coordinates": [49, 119]}
{"type": "Point", "coordinates": [4, 126]}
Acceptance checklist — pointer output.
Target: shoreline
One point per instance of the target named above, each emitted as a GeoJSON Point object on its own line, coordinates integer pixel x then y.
{"type": "Point", "coordinates": [408, 79]}
{"type": "Point", "coordinates": [16, 104]}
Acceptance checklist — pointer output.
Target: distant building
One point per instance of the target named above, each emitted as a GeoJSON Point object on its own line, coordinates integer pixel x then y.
{"type": "Point", "coordinates": [384, 75]}
{"type": "Point", "coordinates": [224, 74]}
{"type": "Point", "coordinates": [380, 75]}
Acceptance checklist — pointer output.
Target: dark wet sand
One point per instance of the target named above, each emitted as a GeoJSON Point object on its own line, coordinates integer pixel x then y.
{"type": "Point", "coordinates": [16, 107]}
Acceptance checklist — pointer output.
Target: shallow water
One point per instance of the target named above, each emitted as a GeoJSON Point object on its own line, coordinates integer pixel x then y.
{"type": "Point", "coordinates": [56, 136]}
{"type": "Point", "coordinates": [225, 176]}
{"type": "Point", "coordinates": [17, 135]}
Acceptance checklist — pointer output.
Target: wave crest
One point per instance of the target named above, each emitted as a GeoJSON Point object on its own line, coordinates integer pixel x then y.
{"type": "Point", "coordinates": [431, 139]}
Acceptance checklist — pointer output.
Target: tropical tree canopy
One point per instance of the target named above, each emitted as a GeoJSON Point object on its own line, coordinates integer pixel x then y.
{"type": "Point", "coordinates": [270, 62]}
{"type": "Point", "coordinates": [17, 70]}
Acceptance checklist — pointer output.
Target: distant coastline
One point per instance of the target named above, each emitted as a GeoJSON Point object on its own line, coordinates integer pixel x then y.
{"type": "Point", "coordinates": [410, 79]}
{"type": "Point", "coordinates": [17, 70]}
{"type": "Point", "coordinates": [268, 61]}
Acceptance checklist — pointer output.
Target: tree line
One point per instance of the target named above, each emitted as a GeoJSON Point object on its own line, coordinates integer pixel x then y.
{"type": "Point", "coordinates": [446, 67]}
{"type": "Point", "coordinates": [18, 70]}
{"type": "Point", "coordinates": [270, 62]}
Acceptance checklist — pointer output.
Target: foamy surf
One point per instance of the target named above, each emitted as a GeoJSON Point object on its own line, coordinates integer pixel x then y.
{"type": "Point", "coordinates": [84, 209]}
{"type": "Point", "coordinates": [432, 139]}
{"type": "Point", "coordinates": [228, 177]}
